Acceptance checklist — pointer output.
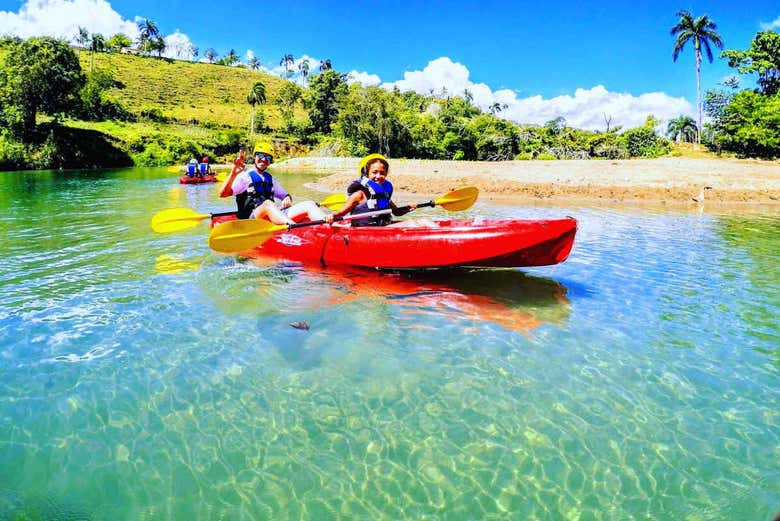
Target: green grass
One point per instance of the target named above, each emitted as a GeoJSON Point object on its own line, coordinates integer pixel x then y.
{"type": "Point", "coordinates": [213, 96]}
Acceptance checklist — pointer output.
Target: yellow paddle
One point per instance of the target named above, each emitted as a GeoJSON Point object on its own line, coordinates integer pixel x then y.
{"type": "Point", "coordinates": [221, 177]}
{"type": "Point", "coordinates": [244, 234]}
{"type": "Point", "coordinates": [176, 219]}
{"type": "Point", "coordinates": [455, 201]}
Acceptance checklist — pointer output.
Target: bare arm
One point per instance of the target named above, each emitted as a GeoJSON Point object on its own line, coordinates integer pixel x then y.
{"type": "Point", "coordinates": [226, 190]}
{"type": "Point", "coordinates": [352, 201]}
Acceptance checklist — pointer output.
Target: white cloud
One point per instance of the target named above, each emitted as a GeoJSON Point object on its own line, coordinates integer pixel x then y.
{"type": "Point", "coordinates": [62, 18]}
{"type": "Point", "coordinates": [586, 109]}
{"type": "Point", "coordinates": [771, 25]}
{"type": "Point", "coordinates": [179, 46]}
{"type": "Point", "coordinates": [364, 78]}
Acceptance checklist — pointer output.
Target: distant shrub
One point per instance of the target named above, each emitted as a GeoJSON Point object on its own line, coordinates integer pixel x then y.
{"type": "Point", "coordinates": [546, 157]}
{"type": "Point", "coordinates": [644, 142]}
{"type": "Point", "coordinates": [153, 114]}
{"type": "Point", "coordinates": [523, 156]}
{"type": "Point", "coordinates": [154, 155]}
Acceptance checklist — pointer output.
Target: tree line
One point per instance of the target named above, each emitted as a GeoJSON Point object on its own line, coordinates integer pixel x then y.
{"type": "Point", "coordinates": [43, 75]}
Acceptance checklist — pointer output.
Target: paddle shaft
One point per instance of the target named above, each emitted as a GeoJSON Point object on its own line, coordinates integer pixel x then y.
{"type": "Point", "coordinates": [344, 218]}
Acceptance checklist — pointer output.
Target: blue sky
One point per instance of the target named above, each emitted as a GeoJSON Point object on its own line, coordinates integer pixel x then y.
{"type": "Point", "coordinates": [576, 59]}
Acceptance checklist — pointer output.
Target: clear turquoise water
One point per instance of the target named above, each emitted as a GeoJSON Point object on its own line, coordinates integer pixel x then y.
{"type": "Point", "coordinates": [144, 377]}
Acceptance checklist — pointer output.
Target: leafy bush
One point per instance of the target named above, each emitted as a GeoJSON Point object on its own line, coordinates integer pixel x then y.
{"type": "Point", "coordinates": [546, 157]}
{"type": "Point", "coordinates": [12, 154]}
{"type": "Point", "coordinates": [153, 114]}
{"type": "Point", "coordinates": [644, 142]}
{"type": "Point", "coordinates": [523, 156]}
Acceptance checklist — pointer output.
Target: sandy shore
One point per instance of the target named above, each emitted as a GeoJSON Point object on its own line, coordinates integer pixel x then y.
{"type": "Point", "coordinates": [664, 180]}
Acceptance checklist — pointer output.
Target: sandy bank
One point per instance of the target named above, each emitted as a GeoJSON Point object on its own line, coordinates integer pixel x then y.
{"type": "Point", "coordinates": [651, 180]}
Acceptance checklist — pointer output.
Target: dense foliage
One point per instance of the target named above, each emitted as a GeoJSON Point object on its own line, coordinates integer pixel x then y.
{"type": "Point", "coordinates": [39, 74]}
{"type": "Point", "coordinates": [747, 122]}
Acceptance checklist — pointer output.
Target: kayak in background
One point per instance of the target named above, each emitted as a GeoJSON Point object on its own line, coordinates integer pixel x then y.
{"type": "Point", "coordinates": [185, 180]}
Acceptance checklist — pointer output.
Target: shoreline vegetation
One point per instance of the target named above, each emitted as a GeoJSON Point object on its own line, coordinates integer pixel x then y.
{"type": "Point", "coordinates": [663, 180]}
{"type": "Point", "coordinates": [95, 106]}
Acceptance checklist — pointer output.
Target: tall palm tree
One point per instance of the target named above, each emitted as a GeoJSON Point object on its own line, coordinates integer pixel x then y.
{"type": "Point", "coordinates": [288, 61]}
{"type": "Point", "coordinates": [97, 44]}
{"type": "Point", "coordinates": [210, 55]}
{"type": "Point", "coordinates": [83, 37]}
{"type": "Point", "coordinates": [148, 29]}
{"type": "Point", "coordinates": [682, 129]}
{"type": "Point", "coordinates": [304, 68]}
{"type": "Point", "coordinates": [702, 31]}
{"type": "Point", "coordinates": [255, 96]}
{"type": "Point", "coordinates": [254, 63]}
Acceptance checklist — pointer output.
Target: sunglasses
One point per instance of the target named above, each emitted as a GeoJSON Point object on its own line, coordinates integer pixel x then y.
{"type": "Point", "coordinates": [265, 157]}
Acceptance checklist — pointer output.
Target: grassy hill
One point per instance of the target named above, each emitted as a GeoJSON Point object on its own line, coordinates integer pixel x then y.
{"type": "Point", "coordinates": [181, 109]}
{"type": "Point", "coordinates": [209, 95]}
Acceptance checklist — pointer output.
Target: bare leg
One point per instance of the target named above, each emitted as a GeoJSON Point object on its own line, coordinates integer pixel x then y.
{"type": "Point", "coordinates": [422, 222]}
{"type": "Point", "coordinates": [269, 211]}
{"type": "Point", "coordinates": [309, 208]}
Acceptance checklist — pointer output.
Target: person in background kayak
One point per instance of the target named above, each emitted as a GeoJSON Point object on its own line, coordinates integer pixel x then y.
{"type": "Point", "coordinates": [255, 191]}
{"type": "Point", "coordinates": [370, 193]}
{"type": "Point", "coordinates": [192, 167]}
{"type": "Point", "coordinates": [205, 167]}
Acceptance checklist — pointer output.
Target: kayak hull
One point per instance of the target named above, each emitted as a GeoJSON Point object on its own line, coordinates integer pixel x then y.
{"type": "Point", "coordinates": [197, 180]}
{"type": "Point", "coordinates": [449, 243]}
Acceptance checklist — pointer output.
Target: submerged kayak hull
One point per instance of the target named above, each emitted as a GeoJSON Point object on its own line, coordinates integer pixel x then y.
{"type": "Point", "coordinates": [450, 243]}
{"type": "Point", "coordinates": [197, 180]}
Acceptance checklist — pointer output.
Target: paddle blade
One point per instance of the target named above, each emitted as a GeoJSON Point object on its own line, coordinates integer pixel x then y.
{"type": "Point", "coordinates": [241, 235]}
{"type": "Point", "coordinates": [334, 201]}
{"type": "Point", "coordinates": [460, 199]}
{"type": "Point", "coordinates": [221, 177]}
{"type": "Point", "coordinates": [175, 219]}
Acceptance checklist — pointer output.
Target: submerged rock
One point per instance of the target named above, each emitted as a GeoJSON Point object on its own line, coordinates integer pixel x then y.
{"type": "Point", "coordinates": [300, 325]}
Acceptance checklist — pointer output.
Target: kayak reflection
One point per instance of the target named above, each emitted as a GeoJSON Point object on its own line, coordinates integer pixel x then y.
{"type": "Point", "coordinates": [512, 299]}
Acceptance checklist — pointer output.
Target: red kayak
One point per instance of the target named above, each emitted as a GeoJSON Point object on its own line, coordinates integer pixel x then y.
{"type": "Point", "coordinates": [197, 180]}
{"type": "Point", "coordinates": [453, 243]}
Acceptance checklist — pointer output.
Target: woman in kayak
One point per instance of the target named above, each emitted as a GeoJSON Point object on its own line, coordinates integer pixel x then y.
{"type": "Point", "coordinates": [371, 193]}
{"type": "Point", "coordinates": [255, 191]}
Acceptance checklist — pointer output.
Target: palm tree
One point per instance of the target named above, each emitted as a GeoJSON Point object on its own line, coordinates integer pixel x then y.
{"type": "Point", "coordinates": [468, 96]}
{"type": "Point", "coordinates": [497, 107]}
{"type": "Point", "coordinates": [288, 61]}
{"type": "Point", "coordinates": [255, 96]}
{"type": "Point", "coordinates": [97, 44]}
{"type": "Point", "coordinates": [254, 63]}
{"type": "Point", "coordinates": [304, 68]}
{"type": "Point", "coordinates": [148, 29]}
{"type": "Point", "coordinates": [682, 129]}
{"type": "Point", "coordinates": [210, 55]}
{"type": "Point", "coordinates": [325, 65]}
{"type": "Point", "coordinates": [702, 31]}
{"type": "Point", "coordinates": [231, 57]}
{"type": "Point", "coordinates": [83, 37]}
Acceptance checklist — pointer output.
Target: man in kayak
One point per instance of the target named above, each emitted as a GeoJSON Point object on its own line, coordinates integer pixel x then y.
{"type": "Point", "coordinates": [370, 193]}
{"type": "Point", "coordinates": [255, 191]}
